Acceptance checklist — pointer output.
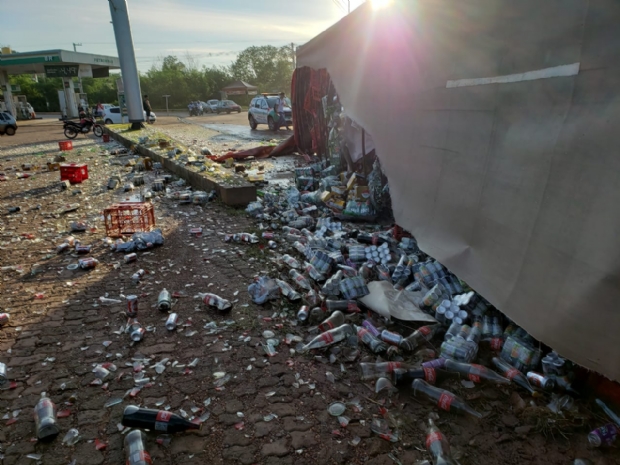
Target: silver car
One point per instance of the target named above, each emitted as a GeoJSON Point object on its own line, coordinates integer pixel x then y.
{"type": "Point", "coordinates": [8, 125]}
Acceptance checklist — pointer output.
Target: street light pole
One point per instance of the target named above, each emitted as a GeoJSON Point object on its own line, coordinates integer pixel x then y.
{"type": "Point", "coordinates": [75, 46]}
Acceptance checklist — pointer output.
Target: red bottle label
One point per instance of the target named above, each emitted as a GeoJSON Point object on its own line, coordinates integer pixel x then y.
{"type": "Point", "coordinates": [352, 307]}
{"type": "Point", "coordinates": [430, 375]}
{"type": "Point", "coordinates": [445, 400]}
{"type": "Point", "coordinates": [327, 325]}
{"type": "Point", "coordinates": [433, 438]}
{"type": "Point", "coordinates": [391, 366]}
{"type": "Point", "coordinates": [512, 373]}
{"type": "Point", "coordinates": [497, 343]}
{"type": "Point", "coordinates": [162, 419]}
{"type": "Point", "coordinates": [424, 330]}
{"type": "Point", "coordinates": [474, 378]}
{"type": "Point", "coordinates": [375, 240]}
{"type": "Point", "coordinates": [327, 338]}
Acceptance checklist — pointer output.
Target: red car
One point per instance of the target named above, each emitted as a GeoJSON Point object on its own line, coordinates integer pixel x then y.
{"type": "Point", "coordinates": [227, 106]}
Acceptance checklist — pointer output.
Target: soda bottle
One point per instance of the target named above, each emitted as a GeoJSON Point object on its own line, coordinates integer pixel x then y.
{"type": "Point", "coordinates": [475, 372]}
{"type": "Point", "coordinates": [287, 290]}
{"type": "Point", "coordinates": [290, 261]}
{"type": "Point", "coordinates": [487, 328]}
{"type": "Point", "coordinates": [137, 276]}
{"type": "Point", "coordinates": [316, 315]}
{"type": "Point", "coordinates": [300, 280]}
{"type": "Point", "coordinates": [371, 328]}
{"type": "Point", "coordinates": [135, 451]}
{"type": "Point", "coordinates": [425, 333]}
{"type": "Point", "coordinates": [371, 371]}
{"type": "Point", "coordinates": [155, 420]}
{"type": "Point", "coordinates": [445, 400]}
{"type": "Point", "coordinates": [375, 344]}
{"type": "Point", "coordinates": [610, 413]}
{"type": "Point", "coordinates": [429, 374]}
{"type": "Point", "coordinates": [312, 298]}
{"type": "Point", "coordinates": [515, 375]}
{"type": "Point", "coordinates": [330, 337]}
{"type": "Point", "coordinates": [303, 314]}
{"type": "Point", "coordinates": [336, 319]}
{"type": "Point", "coordinates": [438, 446]}
{"type": "Point", "coordinates": [344, 305]}
{"type": "Point", "coordinates": [313, 272]}
{"type": "Point", "coordinates": [164, 303]}
{"type": "Point", "coordinates": [603, 436]}
{"type": "Point", "coordinates": [45, 419]}
{"type": "Point", "coordinates": [563, 382]}
{"type": "Point", "coordinates": [216, 301]}
{"type": "Point", "coordinates": [546, 383]}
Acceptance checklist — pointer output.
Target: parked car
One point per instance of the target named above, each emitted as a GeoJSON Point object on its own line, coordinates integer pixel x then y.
{"type": "Point", "coordinates": [8, 125]}
{"type": "Point", "coordinates": [227, 106]}
{"type": "Point", "coordinates": [112, 115]}
{"type": "Point", "coordinates": [212, 104]}
{"type": "Point", "coordinates": [206, 108]}
{"type": "Point", "coordinates": [258, 113]}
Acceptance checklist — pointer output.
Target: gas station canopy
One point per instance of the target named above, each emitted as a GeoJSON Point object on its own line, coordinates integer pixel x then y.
{"type": "Point", "coordinates": [58, 63]}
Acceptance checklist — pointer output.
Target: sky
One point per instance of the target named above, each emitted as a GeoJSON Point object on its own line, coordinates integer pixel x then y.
{"type": "Point", "coordinates": [212, 31]}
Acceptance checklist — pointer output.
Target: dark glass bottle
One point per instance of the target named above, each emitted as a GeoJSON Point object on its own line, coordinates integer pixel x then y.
{"type": "Point", "coordinates": [155, 420]}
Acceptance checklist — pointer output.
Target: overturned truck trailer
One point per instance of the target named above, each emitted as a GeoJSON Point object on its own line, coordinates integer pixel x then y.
{"type": "Point", "coordinates": [496, 123]}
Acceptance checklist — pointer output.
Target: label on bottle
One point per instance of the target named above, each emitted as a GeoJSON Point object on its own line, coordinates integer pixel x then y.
{"type": "Point", "coordinates": [352, 307]}
{"type": "Point", "coordinates": [139, 457]}
{"type": "Point", "coordinates": [391, 366]}
{"type": "Point", "coordinates": [424, 330]}
{"type": "Point", "coordinates": [430, 375]}
{"type": "Point", "coordinates": [445, 400]}
{"type": "Point", "coordinates": [474, 378]}
{"type": "Point", "coordinates": [327, 338]}
{"type": "Point", "coordinates": [375, 240]}
{"type": "Point", "coordinates": [512, 373]}
{"type": "Point", "coordinates": [162, 419]}
{"type": "Point", "coordinates": [496, 343]}
{"type": "Point", "coordinates": [327, 325]}
{"type": "Point", "coordinates": [433, 438]}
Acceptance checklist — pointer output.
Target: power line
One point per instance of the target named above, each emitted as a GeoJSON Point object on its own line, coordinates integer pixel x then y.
{"type": "Point", "coordinates": [339, 5]}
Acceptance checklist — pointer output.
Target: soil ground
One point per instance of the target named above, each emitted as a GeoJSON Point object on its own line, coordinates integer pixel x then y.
{"type": "Point", "coordinates": [59, 330]}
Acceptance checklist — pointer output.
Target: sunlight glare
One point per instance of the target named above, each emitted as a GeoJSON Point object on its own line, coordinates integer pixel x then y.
{"type": "Point", "coordinates": [377, 4]}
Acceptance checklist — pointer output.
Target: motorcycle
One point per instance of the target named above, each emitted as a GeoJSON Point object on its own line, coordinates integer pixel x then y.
{"type": "Point", "coordinates": [72, 129]}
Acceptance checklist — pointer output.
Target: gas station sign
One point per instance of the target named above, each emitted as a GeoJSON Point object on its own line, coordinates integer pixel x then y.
{"type": "Point", "coordinates": [62, 71]}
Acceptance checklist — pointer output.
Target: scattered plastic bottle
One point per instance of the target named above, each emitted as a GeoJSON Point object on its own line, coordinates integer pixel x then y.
{"type": "Point", "coordinates": [430, 375]}
{"type": "Point", "coordinates": [375, 344]}
{"type": "Point", "coordinates": [135, 450]}
{"type": "Point", "coordinates": [371, 371]}
{"type": "Point", "coordinates": [290, 261]}
{"type": "Point", "coordinates": [475, 373]}
{"type": "Point", "coordinates": [335, 319]}
{"type": "Point", "coordinates": [313, 272]}
{"type": "Point", "coordinates": [349, 306]}
{"type": "Point", "coordinates": [155, 420]}
{"type": "Point", "coordinates": [420, 335]}
{"type": "Point", "coordinates": [216, 301]}
{"type": "Point", "coordinates": [610, 413]}
{"type": "Point", "coordinates": [445, 400]}
{"type": "Point", "coordinates": [164, 302]}
{"type": "Point", "coordinates": [330, 337]}
{"type": "Point", "coordinates": [563, 382]}
{"type": "Point", "coordinates": [45, 419]}
{"type": "Point", "coordinates": [514, 375]}
{"type": "Point", "coordinates": [287, 290]}
{"type": "Point", "coordinates": [137, 276]}
{"type": "Point", "coordinates": [437, 445]}
{"type": "Point", "coordinates": [300, 279]}
{"type": "Point", "coordinates": [371, 328]}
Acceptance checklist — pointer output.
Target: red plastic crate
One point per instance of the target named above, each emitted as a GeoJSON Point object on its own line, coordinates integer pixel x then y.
{"type": "Point", "coordinates": [73, 173]}
{"type": "Point", "coordinates": [128, 218]}
{"type": "Point", "coordinates": [65, 145]}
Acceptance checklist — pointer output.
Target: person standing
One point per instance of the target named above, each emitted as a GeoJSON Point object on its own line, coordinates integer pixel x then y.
{"type": "Point", "coordinates": [281, 103]}
{"type": "Point", "coordinates": [147, 108]}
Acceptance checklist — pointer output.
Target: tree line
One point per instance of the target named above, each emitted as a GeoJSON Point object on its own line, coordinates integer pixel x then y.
{"type": "Point", "coordinates": [267, 67]}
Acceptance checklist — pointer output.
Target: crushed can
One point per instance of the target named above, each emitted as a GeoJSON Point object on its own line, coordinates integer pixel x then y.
{"type": "Point", "coordinates": [88, 263]}
{"type": "Point", "coordinates": [130, 257]}
{"type": "Point", "coordinates": [137, 334]}
{"type": "Point", "coordinates": [138, 275]}
{"type": "Point", "coordinates": [132, 306]}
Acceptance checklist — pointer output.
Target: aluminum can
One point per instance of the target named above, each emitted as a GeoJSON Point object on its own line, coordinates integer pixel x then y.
{"type": "Point", "coordinates": [132, 306]}
{"type": "Point", "coordinates": [130, 257]}
{"type": "Point", "coordinates": [171, 322]}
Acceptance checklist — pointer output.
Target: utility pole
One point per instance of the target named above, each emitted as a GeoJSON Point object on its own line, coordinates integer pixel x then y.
{"type": "Point", "coordinates": [166, 97]}
{"type": "Point", "coordinates": [75, 46]}
{"type": "Point", "coordinates": [293, 55]}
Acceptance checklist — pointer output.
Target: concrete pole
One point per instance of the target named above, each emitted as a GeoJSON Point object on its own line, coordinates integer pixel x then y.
{"type": "Point", "coordinates": [8, 95]}
{"type": "Point", "coordinates": [166, 97]}
{"type": "Point", "coordinates": [127, 58]}
{"type": "Point", "coordinates": [72, 107]}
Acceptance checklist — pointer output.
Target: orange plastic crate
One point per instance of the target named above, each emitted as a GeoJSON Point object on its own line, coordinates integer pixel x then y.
{"type": "Point", "coordinates": [128, 218]}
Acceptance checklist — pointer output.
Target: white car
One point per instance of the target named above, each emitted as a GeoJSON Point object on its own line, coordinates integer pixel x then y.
{"type": "Point", "coordinates": [260, 106]}
{"type": "Point", "coordinates": [112, 115]}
